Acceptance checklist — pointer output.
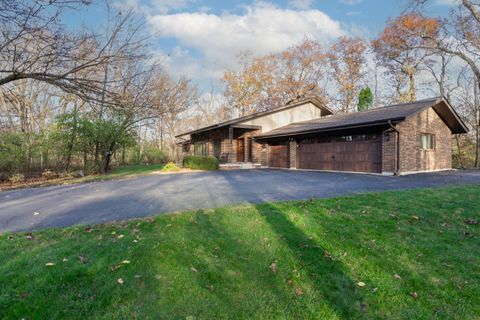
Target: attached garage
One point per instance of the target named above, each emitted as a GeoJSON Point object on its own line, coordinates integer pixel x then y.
{"type": "Point", "coordinates": [278, 155]}
{"type": "Point", "coordinates": [359, 153]}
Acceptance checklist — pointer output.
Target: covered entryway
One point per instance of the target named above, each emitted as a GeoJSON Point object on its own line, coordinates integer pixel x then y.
{"type": "Point", "coordinates": [358, 153]}
{"type": "Point", "coordinates": [278, 156]}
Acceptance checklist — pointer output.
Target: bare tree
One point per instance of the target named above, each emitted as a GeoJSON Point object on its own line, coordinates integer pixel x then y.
{"type": "Point", "coordinates": [35, 45]}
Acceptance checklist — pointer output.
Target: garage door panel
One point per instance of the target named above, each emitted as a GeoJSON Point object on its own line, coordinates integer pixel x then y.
{"type": "Point", "coordinates": [278, 156]}
{"type": "Point", "coordinates": [359, 156]}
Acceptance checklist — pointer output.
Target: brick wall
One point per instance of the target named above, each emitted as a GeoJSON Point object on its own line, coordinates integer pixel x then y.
{"type": "Point", "coordinates": [293, 153]}
{"type": "Point", "coordinates": [389, 151]}
{"type": "Point", "coordinates": [412, 156]}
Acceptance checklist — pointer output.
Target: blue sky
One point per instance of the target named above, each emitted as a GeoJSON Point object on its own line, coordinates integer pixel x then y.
{"type": "Point", "coordinates": [199, 39]}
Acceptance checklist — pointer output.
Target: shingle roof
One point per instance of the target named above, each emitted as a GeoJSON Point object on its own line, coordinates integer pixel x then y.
{"type": "Point", "coordinates": [382, 115]}
{"type": "Point", "coordinates": [316, 102]}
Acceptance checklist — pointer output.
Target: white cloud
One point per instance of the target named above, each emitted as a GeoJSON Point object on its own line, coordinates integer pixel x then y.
{"type": "Point", "coordinates": [300, 4]}
{"type": "Point", "coordinates": [155, 6]}
{"type": "Point", "coordinates": [262, 28]}
{"type": "Point", "coordinates": [351, 2]}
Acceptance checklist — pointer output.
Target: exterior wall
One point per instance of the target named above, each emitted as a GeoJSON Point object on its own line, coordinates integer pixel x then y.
{"type": "Point", "coordinates": [304, 112]}
{"type": "Point", "coordinates": [412, 156]}
{"type": "Point", "coordinates": [293, 147]}
{"type": "Point", "coordinates": [389, 151]}
{"type": "Point", "coordinates": [228, 148]}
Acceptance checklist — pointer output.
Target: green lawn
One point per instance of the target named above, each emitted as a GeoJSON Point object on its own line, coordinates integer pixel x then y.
{"type": "Point", "coordinates": [121, 172]}
{"type": "Point", "coordinates": [416, 253]}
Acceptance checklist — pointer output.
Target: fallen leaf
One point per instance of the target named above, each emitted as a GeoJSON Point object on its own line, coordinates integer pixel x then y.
{"type": "Point", "coordinates": [396, 276]}
{"type": "Point", "coordinates": [361, 284]}
{"type": "Point", "coordinates": [374, 290]}
{"type": "Point", "coordinates": [273, 267]}
{"type": "Point", "coordinates": [126, 261]}
{"type": "Point", "coordinates": [64, 259]}
{"type": "Point", "coordinates": [36, 213]}
{"type": "Point", "coordinates": [115, 267]}
{"type": "Point", "coordinates": [298, 291]}
{"type": "Point", "coordinates": [49, 264]}
{"type": "Point", "coordinates": [158, 277]}
{"type": "Point", "coordinates": [120, 281]}
{"type": "Point", "coordinates": [289, 282]}
{"type": "Point", "coordinates": [193, 269]}
{"type": "Point", "coordinates": [471, 221]}
{"type": "Point", "coordinates": [414, 295]}
{"type": "Point", "coordinates": [327, 255]}
{"type": "Point", "coordinates": [82, 259]}
{"type": "Point", "coordinates": [30, 236]}
{"type": "Point", "coordinates": [88, 229]}
{"type": "Point", "coordinates": [120, 236]}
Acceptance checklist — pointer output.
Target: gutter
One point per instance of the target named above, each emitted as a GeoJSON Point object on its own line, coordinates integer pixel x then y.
{"type": "Point", "coordinates": [331, 129]}
{"type": "Point", "coordinates": [397, 157]}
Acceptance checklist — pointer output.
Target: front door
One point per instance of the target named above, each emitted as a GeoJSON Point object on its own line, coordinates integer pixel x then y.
{"type": "Point", "coordinates": [241, 150]}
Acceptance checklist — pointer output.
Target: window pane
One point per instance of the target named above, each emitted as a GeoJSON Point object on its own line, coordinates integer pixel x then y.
{"type": "Point", "coordinates": [427, 141]}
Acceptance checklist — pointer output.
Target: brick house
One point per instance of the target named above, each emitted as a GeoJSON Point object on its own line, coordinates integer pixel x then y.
{"type": "Point", "coordinates": [396, 139]}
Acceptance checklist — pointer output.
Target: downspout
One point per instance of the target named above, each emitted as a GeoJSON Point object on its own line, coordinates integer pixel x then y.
{"type": "Point", "coordinates": [397, 160]}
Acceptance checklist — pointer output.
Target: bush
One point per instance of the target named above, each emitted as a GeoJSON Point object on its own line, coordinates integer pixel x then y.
{"type": "Point", "coordinates": [16, 178]}
{"type": "Point", "coordinates": [155, 155]}
{"type": "Point", "coordinates": [200, 163]}
{"type": "Point", "coordinates": [170, 167]}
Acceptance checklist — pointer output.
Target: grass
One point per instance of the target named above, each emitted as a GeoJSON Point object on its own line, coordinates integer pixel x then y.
{"type": "Point", "coordinates": [416, 252]}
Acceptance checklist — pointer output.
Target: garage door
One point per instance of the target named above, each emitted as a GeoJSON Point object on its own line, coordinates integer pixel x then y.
{"type": "Point", "coordinates": [278, 156]}
{"type": "Point", "coordinates": [359, 153]}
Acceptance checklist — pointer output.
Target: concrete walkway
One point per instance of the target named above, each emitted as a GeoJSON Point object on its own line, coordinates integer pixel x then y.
{"type": "Point", "coordinates": [98, 202]}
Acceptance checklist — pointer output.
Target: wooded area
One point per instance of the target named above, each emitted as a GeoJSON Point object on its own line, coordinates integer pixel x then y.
{"type": "Point", "coordinates": [88, 99]}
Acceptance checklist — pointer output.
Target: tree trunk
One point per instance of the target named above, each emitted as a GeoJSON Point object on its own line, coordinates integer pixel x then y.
{"type": "Point", "coordinates": [411, 91]}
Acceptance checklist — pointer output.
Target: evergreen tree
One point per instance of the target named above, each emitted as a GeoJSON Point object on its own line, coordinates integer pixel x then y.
{"type": "Point", "coordinates": [365, 99]}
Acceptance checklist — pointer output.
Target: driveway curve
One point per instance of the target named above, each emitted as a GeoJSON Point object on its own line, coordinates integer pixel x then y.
{"type": "Point", "coordinates": [99, 202]}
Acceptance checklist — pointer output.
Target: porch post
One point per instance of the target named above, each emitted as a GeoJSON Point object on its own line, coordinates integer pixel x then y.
{"type": "Point", "coordinates": [231, 156]}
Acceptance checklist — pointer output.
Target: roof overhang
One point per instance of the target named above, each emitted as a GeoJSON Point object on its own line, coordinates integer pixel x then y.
{"type": "Point", "coordinates": [451, 118]}
{"type": "Point", "coordinates": [332, 129]}
{"type": "Point", "coordinates": [235, 122]}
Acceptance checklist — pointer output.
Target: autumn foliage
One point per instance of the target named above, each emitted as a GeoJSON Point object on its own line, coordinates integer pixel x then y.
{"type": "Point", "coordinates": [400, 47]}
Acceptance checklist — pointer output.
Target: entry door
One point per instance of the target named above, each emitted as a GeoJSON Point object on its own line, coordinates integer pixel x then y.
{"type": "Point", "coordinates": [240, 150]}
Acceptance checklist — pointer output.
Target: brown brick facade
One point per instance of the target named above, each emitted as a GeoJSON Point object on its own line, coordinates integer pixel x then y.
{"type": "Point", "coordinates": [412, 156]}
{"type": "Point", "coordinates": [293, 147]}
{"type": "Point", "coordinates": [228, 147]}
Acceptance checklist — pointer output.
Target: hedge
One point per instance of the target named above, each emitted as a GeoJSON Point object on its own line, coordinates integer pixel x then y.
{"type": "Point", "coordinates": [200, 163]}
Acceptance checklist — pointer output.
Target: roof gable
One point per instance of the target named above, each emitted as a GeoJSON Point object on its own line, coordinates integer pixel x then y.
{"type": "Point", "coordinates": [314, 101]}
{"type": "Point", "coordinates": [383, 115]}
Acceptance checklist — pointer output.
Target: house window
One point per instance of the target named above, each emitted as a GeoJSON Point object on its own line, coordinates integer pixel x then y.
{"type": "Point", "coordinates": [428, 141]}
{"type": "Point", "coordinates": [200, 149]}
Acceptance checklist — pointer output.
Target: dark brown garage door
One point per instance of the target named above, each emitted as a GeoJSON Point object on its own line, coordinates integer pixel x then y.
{"type": "Point", "coordinates": [359, 153]}
{"type": "Point", "coordinates": [278, 156]}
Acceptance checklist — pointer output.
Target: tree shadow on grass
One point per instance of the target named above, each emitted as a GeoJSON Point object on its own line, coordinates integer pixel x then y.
{"type": "Point", "coordinates": [326, 274]}
{"type": "Point", "coordinates": [225, 277]}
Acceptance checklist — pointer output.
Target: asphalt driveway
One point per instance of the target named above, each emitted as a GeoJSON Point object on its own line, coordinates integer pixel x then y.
{"type": "Point", "coordinates": [106, 201]}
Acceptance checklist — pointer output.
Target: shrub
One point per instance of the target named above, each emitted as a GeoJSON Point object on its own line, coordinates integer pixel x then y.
{"type": "Point", "coordinates": [16, 178]}
{"type": "Point", "coordinates": [47, 174]}
{"type": "Point", "coordinates": [200, 163]}
{"type": "Point", "coordinates": [170, 167]}
{"type": "Point", "coordinates": [155, 155]}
